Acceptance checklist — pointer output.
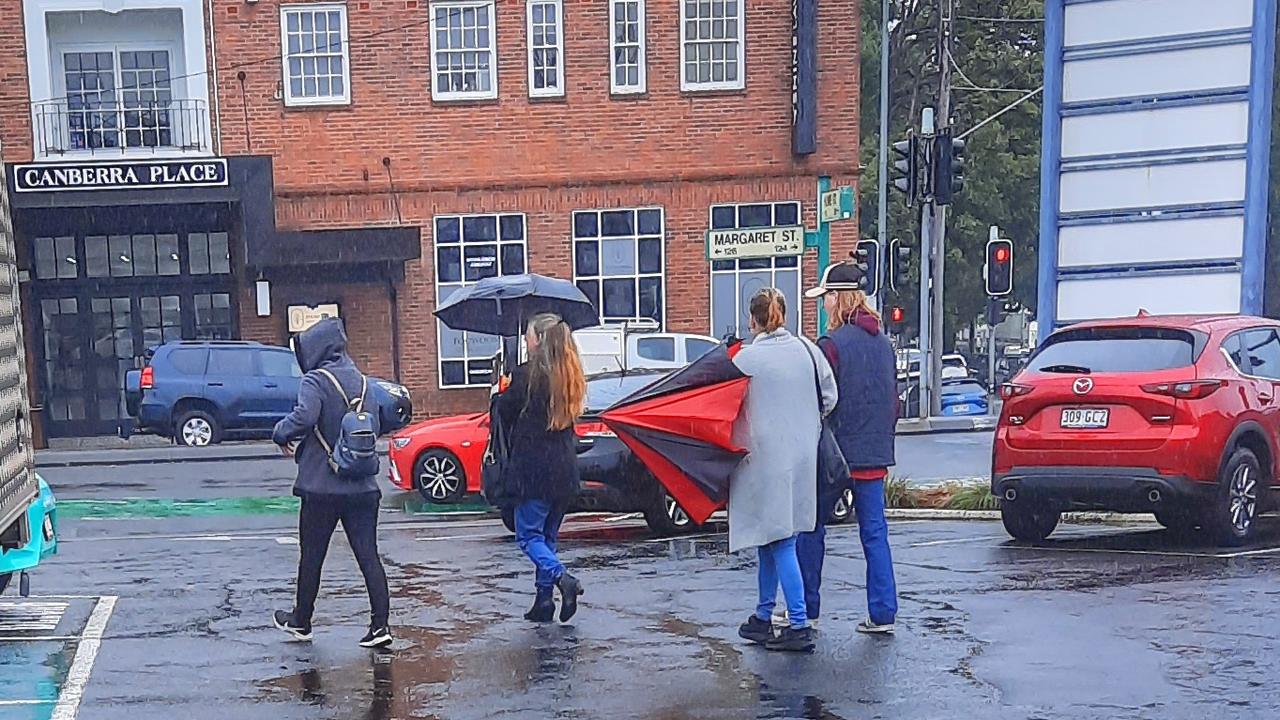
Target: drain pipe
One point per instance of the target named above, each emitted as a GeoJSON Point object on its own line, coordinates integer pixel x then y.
{"type": "Point", "coordinates": [213, 73]}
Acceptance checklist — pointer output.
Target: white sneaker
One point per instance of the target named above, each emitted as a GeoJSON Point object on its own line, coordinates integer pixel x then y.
{"type": "Point", "coordinates": [781, 619]}
{"type": "Point", "coordinates": [870, 628]}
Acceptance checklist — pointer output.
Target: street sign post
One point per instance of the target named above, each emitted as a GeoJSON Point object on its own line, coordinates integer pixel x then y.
{"type": "Point", "coordinates": [755, 242]}
{"type": "Point", "coordinates": [837, 204]}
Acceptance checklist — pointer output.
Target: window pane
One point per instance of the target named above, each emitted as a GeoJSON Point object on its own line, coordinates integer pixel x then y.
{"type": "Point", "coordinates": [95, 256]}
{"type": "Point", "coordinates": [479, 228]}
{"type": "Point", "coordinates": [447, 230]}
{"type": "Point", "coordinates": [651, 298]}
{"type": "Point", "coordinates": [512, 227]}
{"type": "Point", "coordinates": [166, 255]}
{"type": "Point", "coordinates": [619, 298]}
{"type": "Point", "coordinates": [650, 222]}
{"type": "Point", "coordinates": [279, 364]}
{"type": "Point", "coordinates": [219, 254]}
{"type": "Point", "coordinates": [617, 223]}
{"type": "Point", "coordinates": [449, 264]}
{"type": "Point", "coordinates": [650, 255]}
{"type": "Point", "coordinates": [198, 253]}
{"type": "Point", "coordinates": [661, 349]}
{"type": "Point", "coordinates": [512, 259]}
{"type": "Point", "coordinates": [121, 261]}
{"type": "Point", "coordinates": [67, 264]}
{"type": "Point", "coordinates": [189, 361]}
{"type": "Point", "coordinates": [591, 288]}
{"type": "Point", "coordinates": [144, 255]}
{"type": "Point", "coordinates": [723, 217]}
{"type": "Point", "coordinates": [755, 216]}
{"type": "Point", "coordinates": [586, 257]}
{"type": "Point", "coordinates": [481, 261]}
{"type": "Point", "coordinates": [585, 225]}
{"type": "Point", "coordinates": [786, 214]}
{"type": "Point", "coordinates": [46, 261]}
{"type": "Point", "coordinates": [618, 257]}
{"type": "Point", "coordinates": [228, 361]}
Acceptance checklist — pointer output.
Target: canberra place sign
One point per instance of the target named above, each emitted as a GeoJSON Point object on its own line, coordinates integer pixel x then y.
{"type": "Point", "coordinates": [138, 175]}
{"type": "Point", "coordinates": [755, 242]}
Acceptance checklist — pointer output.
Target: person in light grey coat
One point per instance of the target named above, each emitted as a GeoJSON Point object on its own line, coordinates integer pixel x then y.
{"type": "Point", "coordinates": [773, 493]}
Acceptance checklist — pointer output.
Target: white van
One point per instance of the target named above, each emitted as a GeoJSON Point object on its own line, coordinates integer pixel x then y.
{"type": "Point", "coordinates": [634, 345]}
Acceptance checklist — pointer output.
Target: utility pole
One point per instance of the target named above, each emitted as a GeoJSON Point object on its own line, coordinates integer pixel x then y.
{"type": "Point", "coordinates": [882, 215]}
{"type": "Point", "coordinates": [936, 217]}
{"type": "Point", "coordinates": [925, 389]}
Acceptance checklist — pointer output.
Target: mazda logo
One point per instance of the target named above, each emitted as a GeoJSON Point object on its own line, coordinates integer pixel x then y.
{"type": "Point", "coordinates": [1082, 385]}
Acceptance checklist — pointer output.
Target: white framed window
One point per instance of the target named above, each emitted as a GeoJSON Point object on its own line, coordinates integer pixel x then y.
{"type": "Point", "coordinates": [735, 282]}
{"type": "Point", "coordinates": [463, 57]}
{"type": "Point", "coordinates": [619, 259]}
{"type": "Point", "coordinates": [711, 45]}
{"type": "Point", "coordinates": [316, 64]}
{"type": "Point", "coordinates": [546, 48]}
{"type": "Point", "coordinates": [469, 248]}
{"type": "Point", "coordinates": [626, 47]}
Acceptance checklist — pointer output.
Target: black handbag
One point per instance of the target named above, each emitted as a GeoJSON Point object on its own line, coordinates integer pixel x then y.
{"type": "Point", "coordinates": [493, 481]}
{"type": "Point", "coordinates": [833, 469]}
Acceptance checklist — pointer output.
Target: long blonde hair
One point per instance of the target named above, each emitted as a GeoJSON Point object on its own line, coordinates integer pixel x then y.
{"type": "Point", "coordinates": [554, 365]}
{"type": "Point", "coordinates": [849, 303]}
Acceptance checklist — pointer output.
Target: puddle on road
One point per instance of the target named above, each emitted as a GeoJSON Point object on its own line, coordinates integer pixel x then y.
{"type": "Point", "coordinates": [147, 508]}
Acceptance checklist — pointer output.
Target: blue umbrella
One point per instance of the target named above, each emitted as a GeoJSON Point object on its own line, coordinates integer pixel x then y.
{"type": "Point", "coordinates": [504, 305]}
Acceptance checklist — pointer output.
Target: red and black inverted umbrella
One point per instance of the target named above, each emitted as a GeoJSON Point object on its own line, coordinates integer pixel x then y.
{"type": "Point", "coordinates": [681, 428]}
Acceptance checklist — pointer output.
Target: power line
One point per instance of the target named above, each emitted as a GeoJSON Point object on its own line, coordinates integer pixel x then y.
{"type": "Point", "coordinates": [345, 44]}
{"type": "Point", "coordinates": [1000, 112]}
{"type": "Point", "coordinates": [977, 18]}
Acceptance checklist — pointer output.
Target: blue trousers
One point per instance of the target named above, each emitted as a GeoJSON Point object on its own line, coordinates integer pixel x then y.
{"type": "Point", "coordinates": [778, 564]}
{"type": "Point", "coordinates": [873, 530]}
{"type": "Point", "coordinates": [537, 531]}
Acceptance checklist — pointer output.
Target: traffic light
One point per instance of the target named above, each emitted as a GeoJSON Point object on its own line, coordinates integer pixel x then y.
{"type": "Point", "coordinates": [898, 256]}
{"type": "Point", "coordinates": [867, 256]}
{"type": "Point", "coordinates": [999, 267]}
{"type": "Point", "coordinates": [948, 167]}
{"type": "Point", "coordinates": [906, 167]}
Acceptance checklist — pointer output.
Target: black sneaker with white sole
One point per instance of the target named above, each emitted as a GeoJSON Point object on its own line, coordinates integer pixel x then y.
{"type": "Point", "coordinates": [376, 637]}
{"type": "Point", "coordinates": [284, 621]}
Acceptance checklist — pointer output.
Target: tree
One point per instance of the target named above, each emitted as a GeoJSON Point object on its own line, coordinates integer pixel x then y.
{"type": "Point", "coordinates": [998, 57]}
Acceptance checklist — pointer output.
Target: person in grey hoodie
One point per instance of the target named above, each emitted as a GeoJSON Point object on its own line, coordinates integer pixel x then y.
{"type": "Point", "coordinates": [328, 499]}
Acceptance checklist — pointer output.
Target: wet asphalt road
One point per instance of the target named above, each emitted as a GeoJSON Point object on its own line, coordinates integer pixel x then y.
{"type": "Point", "coordinates": [1100, 622]}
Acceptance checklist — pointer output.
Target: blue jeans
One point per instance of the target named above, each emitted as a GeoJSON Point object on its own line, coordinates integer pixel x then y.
{"type": "Point", "coordinates": [537, 530]}
{"type": "Point", "coordinates": [882, 591]}
{"type": "Point", "coordinates": [778, 563]}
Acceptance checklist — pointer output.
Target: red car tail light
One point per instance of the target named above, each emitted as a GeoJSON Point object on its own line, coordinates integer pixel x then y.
{"type": "Point", "coordinates": [1185, 390]}
{"type": "Point", "coordinates": [1013, 390]}
{"type": "Point", "coordinates": [148, 379]}
{"type": "Point", "coordinates": [593, 430]}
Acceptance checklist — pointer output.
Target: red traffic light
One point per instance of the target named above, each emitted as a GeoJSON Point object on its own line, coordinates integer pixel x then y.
{"type": "Point", "coordinates": [897, 314]}
{"type": "Point", "coordinates": [1002, 254]}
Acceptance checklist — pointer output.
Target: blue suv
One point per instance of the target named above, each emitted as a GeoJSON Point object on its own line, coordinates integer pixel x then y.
{"type": "Point", "coordinates": [198, 392]}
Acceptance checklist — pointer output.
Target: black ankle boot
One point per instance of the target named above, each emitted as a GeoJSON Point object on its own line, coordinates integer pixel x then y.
{"type": "Point", "coordinates": [570, 589]}
{"type": "Point", "coordinates": [544, 607]}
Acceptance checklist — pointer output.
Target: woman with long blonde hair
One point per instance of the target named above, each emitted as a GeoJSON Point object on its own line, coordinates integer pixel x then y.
{"type": "Point", "coordinates": [539, 409]}
{"type": "Point", "coordinates": [864, 422]}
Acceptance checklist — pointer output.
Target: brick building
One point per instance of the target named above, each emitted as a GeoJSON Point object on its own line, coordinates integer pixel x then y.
{"type": "Point", "coordinates": [168, 156]}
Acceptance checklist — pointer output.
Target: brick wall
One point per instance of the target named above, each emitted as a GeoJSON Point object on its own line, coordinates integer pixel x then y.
{"type": "Point", "coordinates": [585, 137]}
{"type": "Point", "coordinates": [365, 308]}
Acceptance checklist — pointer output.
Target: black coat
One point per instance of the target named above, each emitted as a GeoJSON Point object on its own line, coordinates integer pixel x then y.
{"type": "Point", "coordinates": [543, 464]}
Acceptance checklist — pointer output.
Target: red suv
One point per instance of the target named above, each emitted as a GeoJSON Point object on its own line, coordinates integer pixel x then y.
{"type": "Point", "coordinates": [1177, 416]}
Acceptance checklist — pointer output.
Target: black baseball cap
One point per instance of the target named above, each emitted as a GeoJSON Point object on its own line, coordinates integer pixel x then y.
{"type": "Point", "coordinates": [837, 276]}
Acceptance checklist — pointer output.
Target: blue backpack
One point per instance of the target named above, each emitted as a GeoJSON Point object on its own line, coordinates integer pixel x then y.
{"type": "Point", "coordinates": [355, 454]}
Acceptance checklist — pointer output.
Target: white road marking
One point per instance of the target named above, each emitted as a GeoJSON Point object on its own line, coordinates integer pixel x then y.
{"type": "Point", "coordinates": [31, 616]}
{"type": "Point", "coordinates": [287, 540]}
{"type": "Point", "coordinates": [38, 638]}
{"type": "Point", "coordinates": [955, 541]}
{"type": "Point", "coordinates": [78, 676]}
{"type": "Point", "coordinates": [25, 702]}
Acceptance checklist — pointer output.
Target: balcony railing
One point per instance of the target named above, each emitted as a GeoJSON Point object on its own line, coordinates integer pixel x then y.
{"type": "Point", "coordinates": [131, 128]}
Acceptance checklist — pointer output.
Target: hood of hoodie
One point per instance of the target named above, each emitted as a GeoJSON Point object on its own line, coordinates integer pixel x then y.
{"type": "Point", "coordinates": [864, 320]}
{"type": "Point", "coordinates": [324, 343]}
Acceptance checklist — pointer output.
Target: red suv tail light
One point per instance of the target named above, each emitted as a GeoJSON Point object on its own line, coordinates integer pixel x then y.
{"type": "Point", "coordinates": [1186, 390]}
{"type": "Point", "coordinates": [148, 380]}
{"type": "Point", "coordinates": [1013, 390]}
{"type": "Point", "coordinates": [593, 430]}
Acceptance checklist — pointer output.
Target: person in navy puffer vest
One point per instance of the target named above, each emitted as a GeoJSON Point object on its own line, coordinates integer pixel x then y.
{"type": "Point", "coordinates": [864, 422]}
